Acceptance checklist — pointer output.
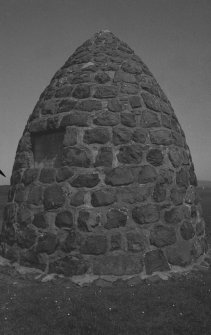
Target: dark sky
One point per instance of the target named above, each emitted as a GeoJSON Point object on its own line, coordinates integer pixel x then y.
{"type": "Point", "coordinates": [173, 37]}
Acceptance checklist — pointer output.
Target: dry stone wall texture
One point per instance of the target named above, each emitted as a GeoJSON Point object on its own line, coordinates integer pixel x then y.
{"type": "Point", "coordinates": [103, 181]}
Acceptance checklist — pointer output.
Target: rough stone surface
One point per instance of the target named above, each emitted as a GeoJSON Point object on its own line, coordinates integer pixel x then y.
{"type": "Point", "coordinates": [103, 180]}
{"type": "Point", "coordinates": [155, 261]}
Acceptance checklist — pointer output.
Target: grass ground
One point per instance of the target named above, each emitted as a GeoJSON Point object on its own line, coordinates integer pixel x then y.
{"type": "Point", "coordinates": [179, 306]}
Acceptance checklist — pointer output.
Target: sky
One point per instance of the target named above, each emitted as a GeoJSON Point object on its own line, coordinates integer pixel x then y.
{"type": "Point", "coordinates": [173, 38]}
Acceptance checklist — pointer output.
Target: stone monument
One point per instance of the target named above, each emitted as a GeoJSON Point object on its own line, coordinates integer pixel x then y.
{"type": "Point", "coordinates": [103, 181]}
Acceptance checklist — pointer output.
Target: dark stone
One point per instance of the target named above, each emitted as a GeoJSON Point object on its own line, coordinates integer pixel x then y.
{"type": "Point", "coordinates": [177, 195]}
{"type": "Point", "coordinates": [89, 105]}
{"type": "Point", "coordinates": [102, 77]}
{"type": "Point", "coordinates": [145, 214]}
{"type": "Point", "coordinates": [155, 261]}
{"type": "Point", "coordinates": [128, 88]}
{"type": "Point", "coordinates": [81, 78]}
{"type": "Point", "coordinates": [156, 103]}
{"type": "Point", "coordinates": [121, 135]}
{"type": "Point", "coordinates": [85, 180]}
{"type": "Point", "coordinates": [38, 125]}
{"type": "Point", "coordinates": [139, 135]}
{"type": "Point", "coordinates": [175, 156]}
{"type": "Point", "coordinates": [155, 157]}
{"type": "Point", "coordinates": [64, 92]}
{"type": "Point", "coordinates": [136, 242]}
{"type": "Point", "coordinates": [53, 123]}
{"type": "Point", "coordinates": [131, 67]}
{"type": "Point", "coordinates": [24, 216]}
{"type": "Point", "coordinates": [166, 176]}
{"type": "Point", "coordinates": [64, 173]}
{"type": "Point", "coordinates": [96, 135]}
{"type": "Point", "coordinates": [166, 120]}
{"type": "Point", "coordinates": [81, 91]}
{"type": "Point", "coordinates": [103, 197]}
{"type": "Point", "coordinates": [68, 241]}
{"type": "Point", "coordinates": [39, 221]}
{"type": "Point", "coordinates": [133, 194]}
{"type": "Point", "coordinates": [149, 119]}
{"type": "Point", "coordinates": [124, 76]}
{"type": "Point", "coordinates": [117, 265]}
{"type": "Point", "coordinates": [186, 230]}
{"type": "Point", "coordinates": [161, 236]}
{"type": "Point", "coordinates": [119, 176]}
{"type": "Point", "coordinates": [128, 119]}
{"type": "Point", "coordinates": [16, 177]}
{"type": "Point", "coordinates": [77, 199]}
{"type": "Point", "coordinates": [114, 105]}
{"type": "Point", "coordinates": [66, 105]}
{"type": "Point", "coordinates": [20, 193]}
{"type": "Point", "coordinates": [199, 247]}
{"type": "Point", "coordinates": [104, 157]}
{"type": "Point", "coordinates": [130, 154]}
{"type": "Point", "coordinates": [47, 175]}
{"type": "Point", "coordinates": [182, 179]}
{"type": "Point", "coordinates": [135, 101]}
{"type": "Point", "coordinates": [29, 176]}
{"type": "Point", "coordinates": [174, 215]}
{"type": "Point", "coordinates": [116, 241]}
{"type": "Point", "coordinates": [147, 174]}
{"type": "Point", "coordinates": [69, 266]}
{"type": "Point", "coordinates": [159, 193]}
{"type": "Point", "coordinates": [103, 92]}
{"type": "Point", "coordinates": [83, 219]}
{"type": "Point", "coordinates": [106, 119]}
{"type": "Point", "coordinates": [116, 218]}
{"type": "Point", "coordinates": [162, 137]}
{"type": "Point", "coordinates": [94, 245]}
{"type": "Point", "coordinates": [26, 237]}
{"type": "Point", "coordinates": [47, 242]}
{"type": "Point", "coordinates": [79, 119]}
{"type": "Point", "coordinates": [31, 259]}
{"type": "Point", "coordinates": [53, 197]}
{"type": "Point", "coordinates": [35, 196]}
{"type": "Point", "coordinates": [179, 254]}
{"type": "Point", "coordinates": [177, 139]}
{"type": "Point", "coordinates": [80, 157]}
{"type": "Point", "coordinates": [8, 235]}
{"type": "Point", "coordinates": [64, 219]}
{"type": "Point", "coordinates": [70, 137]}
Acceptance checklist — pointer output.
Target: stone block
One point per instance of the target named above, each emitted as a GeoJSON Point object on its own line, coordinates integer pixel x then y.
{"type": "Point", "coordinates": [94, 245]}
{"type": "Point", "coordinates": [121, 135]}
{"type": "Point", "coordinates": [53, 197]}
{"type": "Point", "coordinates": [96, 135]}
{"type": "Point", "coordinates": [26, 238]}
{"type": "Point", "coordinates": [35, 195]}
{"type": "Point", "coordinates": [136, 241]}
{"type": "Point", "coordinates": [77, 198]}
{"type": "Point", "coordinates": [70, 137]}
{"type": "Point", "coordinates": [174, 215]}
{"type": "Point", "coordinates": [115, 242]}
{"type": "Point", "coordinates": [155, 261]}
{"type": "Point", "coordinates": [47, 242]}
{"type": "Point", "coordinates": [124, 76]}
{"type": "Point", "coordinates": [161, 137]}
{"type": "Point", "coordinates": [116, 218]}
{"type": "Point", "coordinates": [79, 119]}
{"type": "Point", "coordinates": [102, 77]}
{"type": "Point", "coordinates": [147, 174]}
{"type": "Point", "coordinates": [104, 157]}
{"type": "Point", "coordinates": [186, 230]}
{"type": "Point", "coordinates": [103, 197]}
{"type": "Point", "coordinates": [106, 119]}
{"type": "Point", "coordinates": [29, 176]}
{"type": "Point", "coordinates": [128, 119]}
{"type": "Point", "coordinates": [149, 119]}
{"type": "Point", "coordinates": [114, 105]}
{"type": "Point", "coordinates": [69, 266]}
{"type": "Point", "coordinates": [130, 154]}
{"type": "Point", "coordinates": [119, 176]}
{"type": "Point", "coordinates": [64, 219]}
{"type": "Point", "coordinates": [47, 175]}
{"type": "Point", "coordinates": [145, 214]}
{"type": "Point", "coordinates": [175, 156]}
{"type": "Point", "coordinates": [139, 135]}
{"type": "Point", "coordinates": [118, 265]}
{"type": "Point", "coordinates": [161, 236]}
{"type": "Point", "coordinates": [135, 101]}
{"type": "Point", "coordinates": [89, 105]}
{"type": "Point", "coordinates": [85, 180]}
{"type": "Point", "coordinates": [40, 221]}
{"type": "Point", "coordinates": [63, 173]}
{"type": "Point", "coordinates": [182, 179]}
{"type": "Point", "coordinates": [81, 91]}
{"type": "Point", "coordinates": [155, 157]}
{"type": "Point", "coordinates": [77, 156]}
{"type": "Point", "coordinates": [159, 193]}
{"type": "Point", "coordinates": [105, 91]}
{"type": "Point", "coordinates": [177, 195]}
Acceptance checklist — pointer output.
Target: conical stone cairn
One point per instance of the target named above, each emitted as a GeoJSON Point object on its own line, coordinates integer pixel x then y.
{"type": "Point", "coordinates": [103, 181]}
